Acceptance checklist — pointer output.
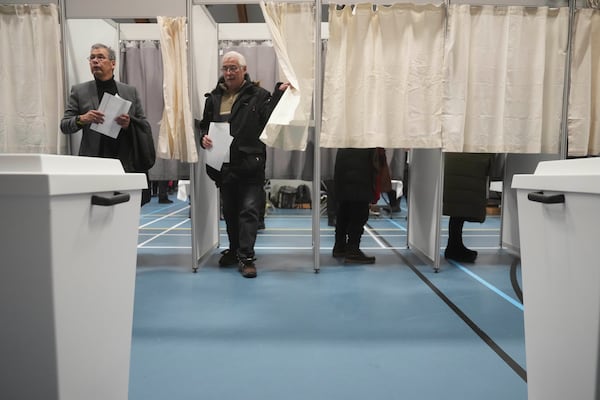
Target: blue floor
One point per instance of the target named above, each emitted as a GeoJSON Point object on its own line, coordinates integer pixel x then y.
{"type": "Point", "coordinates": [393, 330]}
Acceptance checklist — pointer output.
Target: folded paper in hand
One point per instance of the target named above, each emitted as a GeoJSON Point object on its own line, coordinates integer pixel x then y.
{"type": "Point", "coordinates": [112, 107]}
{"type": "Point", "coordinates": [221, 140]}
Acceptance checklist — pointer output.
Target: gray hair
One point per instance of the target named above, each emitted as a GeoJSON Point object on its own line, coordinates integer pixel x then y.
{"type": "Point", "coordinates": [111, 53]}
{"type": "Point", "coordinates": [239, 57]}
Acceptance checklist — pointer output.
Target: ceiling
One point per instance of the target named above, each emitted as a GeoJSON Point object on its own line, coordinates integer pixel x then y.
{"type": "Point", "coordinates": [228, 13]}
{"type": "Point", "coordinates": [234, 13]}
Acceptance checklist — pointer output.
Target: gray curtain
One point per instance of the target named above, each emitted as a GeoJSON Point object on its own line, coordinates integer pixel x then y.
{"type": "Point", "coordinates": [141, 66]}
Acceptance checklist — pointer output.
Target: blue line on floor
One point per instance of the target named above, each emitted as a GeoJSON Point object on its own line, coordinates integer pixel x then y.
{"type": "Point", "coordinates": [397, 225]}
{"type": "Point", "coordinates": [488, 285]}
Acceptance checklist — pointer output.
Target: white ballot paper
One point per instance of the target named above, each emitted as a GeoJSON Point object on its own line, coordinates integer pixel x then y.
{"type": "Point", "coordinates": [112, 107]}
{"type": "Point", "coordinates": [221, 139]}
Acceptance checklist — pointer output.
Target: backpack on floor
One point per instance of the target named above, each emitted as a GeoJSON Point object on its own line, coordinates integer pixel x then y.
{"type": "Point", "coordinates": [286, 197]}
{"type": "Point", "coordinates": [303, 194]}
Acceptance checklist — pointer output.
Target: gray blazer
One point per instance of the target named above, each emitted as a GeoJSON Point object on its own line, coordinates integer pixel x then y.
{"type": "Point", "coordinates": [83, 98]}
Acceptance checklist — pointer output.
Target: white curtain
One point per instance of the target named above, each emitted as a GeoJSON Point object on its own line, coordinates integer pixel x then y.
{"type": "Point", "coordinates": [504, 69]}
{"type": "Point", "coordinates": [142, 66]}
{"type": "Point", "coordinates": [383, 76]}
{"type": "Point", "coordinates": [584, 96]}
{"type": "Point", "coordinates": [176, 137]}
{"type": "Point", "coordinates": [292, 27]}
{"type": "Point", "coordinates": [31, 81]}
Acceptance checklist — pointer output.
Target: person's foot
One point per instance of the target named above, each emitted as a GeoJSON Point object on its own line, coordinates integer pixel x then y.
{"type": "Point", "coordinates": [165, 200]}
{"type": "Point", "coordinates": [338, 251]}
{"type": "Point", "coordinates": [261, 226]}
{"type": "Point", "coordinates": [358, 257]}
{"type": "Point", "coordinates": [247, 268]}
{"type": "Point", "coordinates": [228, 258]}
{"type": "Point", "coordinates": [374, 210]}
{"type": "Point", "coordinates": [460, 254]}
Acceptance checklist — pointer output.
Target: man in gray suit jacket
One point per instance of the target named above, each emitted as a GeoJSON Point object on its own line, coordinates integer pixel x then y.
{"type": "Point", "coordinates": [82, 111]}
{"type": "Point", "coordinates": [85, 98]}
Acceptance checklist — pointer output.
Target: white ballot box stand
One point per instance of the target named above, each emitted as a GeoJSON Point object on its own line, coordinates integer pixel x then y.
{"type": "Point", "coordinates": [559, 224]}
{"type": "Point", "coordinates": [68, 245]}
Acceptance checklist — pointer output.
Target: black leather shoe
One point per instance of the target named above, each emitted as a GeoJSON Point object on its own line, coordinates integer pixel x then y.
{"type": "Point", "coordinates": [338, 251]}
{"type": "Point", "coordinates": [228, 258]}
{"type": "Point", "coordinates": [358, 257]}
{"type": "Point", "coordinates": [460, 254]}
{"type": "Point", "coordinates": [165, 200]}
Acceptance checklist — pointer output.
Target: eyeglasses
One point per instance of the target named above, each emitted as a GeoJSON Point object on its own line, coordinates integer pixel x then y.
{"type": "Point", "coordinates": [99, 57]}
{"type": "Point", "coordinates": [230, 68]}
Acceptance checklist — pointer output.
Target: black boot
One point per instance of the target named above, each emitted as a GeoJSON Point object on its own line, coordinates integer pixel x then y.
{"type": "Point", "coordinates": [394, 201]}
{"type": "Point", "coordinates": [460, 255]}
{"type": "Point", "coordinates": [163, 192]}
{"type": "Point", "coordinates": [355, 256]}
{"type": "Point", "coordinates": [456, 250]}
{"type": "Point", "coordinates": [339, 249]}
{"type": "Point", "coordinates": [358, 257]}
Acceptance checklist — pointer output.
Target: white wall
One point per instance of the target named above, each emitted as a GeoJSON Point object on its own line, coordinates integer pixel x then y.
{"type": "Point", "coordinates": [205, 71]}
{"type": "Point", "coordinates": [81, 34]}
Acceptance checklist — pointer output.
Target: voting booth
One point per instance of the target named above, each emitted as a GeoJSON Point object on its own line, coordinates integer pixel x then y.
{"type": "Point", "coordinates": [559, 227]}
{"type": "Point", "coordinates": [68, 242]}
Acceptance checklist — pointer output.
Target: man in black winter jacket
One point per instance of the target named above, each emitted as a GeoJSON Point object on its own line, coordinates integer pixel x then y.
{"type": "Point", "coordinates": [246, 107]}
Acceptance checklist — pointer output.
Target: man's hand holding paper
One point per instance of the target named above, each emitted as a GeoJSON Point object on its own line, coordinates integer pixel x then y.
{"type": "Point", "coordinates": [114, 109]}
{"type": "Point", "coordinates": [220, 139]}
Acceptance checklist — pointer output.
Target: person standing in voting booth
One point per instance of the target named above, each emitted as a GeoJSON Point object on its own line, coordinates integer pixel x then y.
{"type": "Point", "coordinates": [246, 107]}
{"type": "Point", "coordinates": [356, 185]}
{"type": "Point", "coordinates": [465, 194]}
{"type": "Point", "coordinates": [133, 145]}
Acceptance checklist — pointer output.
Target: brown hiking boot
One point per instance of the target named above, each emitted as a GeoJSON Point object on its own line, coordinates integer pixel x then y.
{"type": "Point", "coordinates": [247, 269]}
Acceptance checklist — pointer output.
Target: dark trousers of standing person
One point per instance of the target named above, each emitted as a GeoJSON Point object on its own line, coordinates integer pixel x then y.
{"type": "Point", "coordinates": [163, 192]}
{"type": "Point", "coordinates": [331, 202]}
{"type": "Point", "coordinates": [351, 218]}
{"type": "Point", "coordinates": [162, 189]}
{"type": "Point", "coordinates": [263, 209]}
{"type": "Point", "coordinates": [241, 210]}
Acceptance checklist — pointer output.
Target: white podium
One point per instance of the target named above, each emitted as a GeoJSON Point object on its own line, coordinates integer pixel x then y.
{"type": "Point", "coordinates": [559, 223]}
{"type": "Point", "coordinates": [68, 245]}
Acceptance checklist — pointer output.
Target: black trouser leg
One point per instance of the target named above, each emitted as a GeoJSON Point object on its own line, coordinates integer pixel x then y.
{"type": "Point", "coordinates": [341, 227]}
{"type": "Point", "coordinates": [241, 209]}
{"type": "Point", "coordinates": [250, 205]}
{"type": "Point", "coordinates": [358, 213]}
{"type": "Point", "coordinates": [263, 207]}
{"type": "Point", "coordinates": [332, 204]}
{"type": "Point", "coordinates": [163, 190]}
{"type": "Point", "coordinates": [230, 215]}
